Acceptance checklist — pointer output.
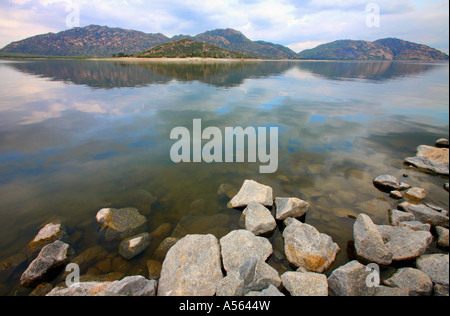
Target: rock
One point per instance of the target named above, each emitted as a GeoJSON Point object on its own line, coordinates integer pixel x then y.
{"type": "Point", "coordinates": [431, 159]}
{"type": "Point", "coordinates": [241, 245]}
{"type": "Point", "coordinates": [416, 194]}
{"type": "Point", "coordinates": [350, 280]}
{"type": "Point", "coordinates": [164, 247]}
{"type": "Point", "coordinates": [270, 291]}
{"type": "Point", "coordinates": [385, 291]}
{"type": "Point", "coordinates": [133, 246]}
{"type": "Point", "coordinates": [442, 143]}
{"type": "Point", "coordinates": [404, 243]}
{"type": "Point", "coordinates": [192, 267]}
{"type": "Point", "coordinates": [50, 258]}
{"type": "Point", "coordinates": [425, 214]}
{"type": "Point", "coordinates": [227, 191]}
{"type": "Point", "coordinates": [413, 281]}
{"type": "Point", "coordinates": [10, 265]}
{"type": "Point", "coordinates": [90, 257]}
{"type": "Point", "coordinates": [118, 224]}
{"type": "Point", "coordinates": [440, 290]}
{"type": "Point", "coordinates": [253, 275]}
{"type": "Point", "coordinates": [446, 187]}
{"type": "Point", "coordinates": [305, 284]}
{"type": "Point", "coordinates": [369, 244]}
{"type": "Point", "coordinates": [443, 237]}
{"type": "Point", "coordinates": [290, 207]}
{"type": "Point", "coordinates": [129, 286]}
{"type": "Point", "coordinates": [396, 195]}
{"type": "Point", "coordinates": [42, 289]}
{"type": "Point", "coordinates": [252, 191]}
{"type": "Point", "coordinates": [154, 269]}
{"type": "Point", "coordinates": [436, 267]}
{"type": "Point", "coordinates": [396, 217]}
{"type": "Point", "coordinates": [258, 219]}
{"type": "Point", "coordinates": [305, 247]}
{"type": "Point", "coordinates": [390, 183]}
{"type": "Point", "coordinates": [48, 234]}
{"type": "Point", "coordinates": [415, 225]}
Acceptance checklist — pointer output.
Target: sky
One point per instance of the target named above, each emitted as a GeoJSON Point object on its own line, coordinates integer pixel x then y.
{"type": "Point", "coordinates": [298, 24]}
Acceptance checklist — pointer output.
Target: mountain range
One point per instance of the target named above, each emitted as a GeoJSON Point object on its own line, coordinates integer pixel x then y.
{"type": "Point", "coordinates": [102, 41]}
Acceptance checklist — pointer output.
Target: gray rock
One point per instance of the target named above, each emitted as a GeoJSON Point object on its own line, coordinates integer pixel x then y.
{"type": "Point", "coordinates": [369, 243]}
{"type": "Point", "coordinates": [305, 284]}
{"type": "Point", "coordinates": [396, 195]}
{"type": "Point", "coordinates": [258, 219]}
{"type": "Point", "coordinates": [396, 217]}
{"type": "Point", "coordinates": [443, 237]}
{"type": "Point", "coordinates": [48, 234]}
{"type": "Point", "coordinates": [436, 267]}
{"type": "Point", "coordinates": [404, 243]}
{"type": "Point", "coordinates": [270, 291]}
{"type": "Point", "coordinates": [241, 245]}
{"type": "Point", "coordinates": [133, 246]}
{"type": "Point", "coordinates": [118, 224]}
{"type": "Point", "coordinates": [129, 286]}
{"type": "Point", "coordinates": [252, 191]}
{"type": "Point", "coordinates": [442, 143]}
{"type": "Point", "coordinates": [192, 267]}
{"type": "Point", "coordinates": [425, 214]}
{"type": "Point", "coordinates": [440, 290]}
{"type": "Point", "coordinates": [428, 165]}
{"type": "Point", "coordinates": [253, 275]}
{"type": "Point", "coordinates": [305, 247]}
{"type": "Point", "coordinates": [390, 183]}
{"type": "Point", "coordinates": [416, 194]}
{"type": "Point", "coordinates": [414, 281]}
{"type": "Point", "coordinates": [350, 280]}
{"type": "Point", "coordinates": [51, 257]}
{"type": "Point", "coordinates": [415, 225]}
{"type": "Point", "coordinates": [386, 291]}
{"type": "Point", "coordinates": [290, 207]}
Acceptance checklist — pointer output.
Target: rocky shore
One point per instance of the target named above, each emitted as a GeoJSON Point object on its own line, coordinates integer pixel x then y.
{"type": "Point", "coordinates": [237, 264]}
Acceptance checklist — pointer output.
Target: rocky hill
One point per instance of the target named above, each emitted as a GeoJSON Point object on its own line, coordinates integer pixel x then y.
{"type": "Point", "coordinates": [190, 48]}
{"type": "Point", "coordinates": [384, 49]}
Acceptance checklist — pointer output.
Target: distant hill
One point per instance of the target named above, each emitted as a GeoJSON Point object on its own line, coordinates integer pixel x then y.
{"type": "Point", "coordinates": [384, 49]}
{"type": "Point", "coordinates": [190, 48]}
{"type": "Point", "coordinates": [90, 41]}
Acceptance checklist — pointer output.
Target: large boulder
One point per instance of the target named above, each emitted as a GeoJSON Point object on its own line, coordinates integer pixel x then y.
{"type": "Point", "coordinates": [51, 257]}
{"type": "Point", "coordinates": [369, 243]}
{"type": "Point", "coordinates": [405, 243]}
{"type": "Point", "coordinates": [305, 283]}
{"type": "Point", "coordinates": [133, 246]}
{"type": "Point", "coordinates": [425, 214]}
{"type": "Point", "coordinates": [258, 219]}
{"type": "Point", "coordinates": [290, 207]}
{"type": "Point", "coordinates": [305, 247]}
{"type": "Point", "coordinates": [413, 281]}
{"type": "Point", "coordinates": [436, 266]}
{"type": "Point", "coordinates": [254, 275]}
{"type": "Point", "coordinates": [241, 245]}
{"type": "Point", "coordinates": [252, 191]}
{"type": "Point", "coordinates": [350, 280]}
{"type": "Point", "coordinates": [118, 224]}
{"type": "Point", "coordinates": [192, 267]}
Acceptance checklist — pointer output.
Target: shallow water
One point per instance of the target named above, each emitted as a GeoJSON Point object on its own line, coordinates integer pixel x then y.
{"type": "Point", "coordinates": [77, 136]}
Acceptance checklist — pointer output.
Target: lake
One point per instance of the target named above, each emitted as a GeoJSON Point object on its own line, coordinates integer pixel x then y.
{"type": "Point", "coordinates": [77, 136]}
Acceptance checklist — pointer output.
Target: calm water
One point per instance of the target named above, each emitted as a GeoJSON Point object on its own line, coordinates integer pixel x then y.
{"type": "Point", "coordinates": [77, 136]}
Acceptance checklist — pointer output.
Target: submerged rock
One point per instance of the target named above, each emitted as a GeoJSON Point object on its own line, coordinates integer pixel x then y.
{"type": "Point", "coordinates": [305, 247]}
{"type": "Point", "coordinates": [305, 283]}
{"type": "Point", "coordinates": [425, 214]}
{"type": "Point", "coordinates": [413, 281]}
{"type": "Point", "coordinates": [390, 183]}
{"type": "Point", "coordinates": [50, 258]}
{"type": "Point", "coordinates": [350, 280]}
{"type": "Point", "coordinates": [133, 246]}
{"type": "Point", "coordinates": [192, 267]}
{"type": "Point", "coordinates": [239, 246]}
{"type": "Point", "coordinates": [118, 224]}
{"type": "Point", "coordinates": [290, 207]}
{"type": "Point", "coordinates": [227, 191]}
{"type": "Point", "coordinates": [258, 219]}
{"type": "Point", "coordinates": [252, 191]}
{"type": "Point", "coordinates": [369, 243]}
